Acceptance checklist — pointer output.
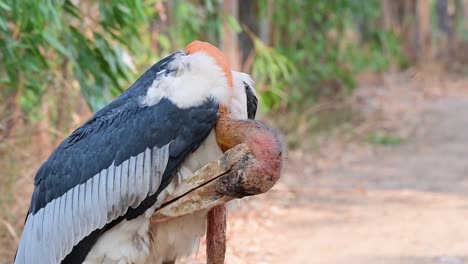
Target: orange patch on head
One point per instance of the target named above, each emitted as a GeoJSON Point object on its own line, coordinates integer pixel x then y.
{"type": "Point", "coordinates": [215, 53]}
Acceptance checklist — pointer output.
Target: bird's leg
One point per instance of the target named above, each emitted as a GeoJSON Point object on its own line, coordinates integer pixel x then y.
{"type": "Point", "coordinates": [216, 235]}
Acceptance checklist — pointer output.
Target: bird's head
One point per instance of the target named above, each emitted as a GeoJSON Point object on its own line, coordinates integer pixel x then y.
{"type": "Point", "coordinates": [242, 103]}
{"type": "Point", "coordinates": [213, 52]}
{"type": "Point", "coordinates": [202, 72]}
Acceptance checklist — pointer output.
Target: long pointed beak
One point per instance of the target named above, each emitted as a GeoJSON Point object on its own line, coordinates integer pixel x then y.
{"type": "Point", "coordinates": [205, 189]}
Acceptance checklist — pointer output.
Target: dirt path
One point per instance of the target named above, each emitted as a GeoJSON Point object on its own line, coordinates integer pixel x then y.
{"type": "Point", "coordinates": [402, 204]}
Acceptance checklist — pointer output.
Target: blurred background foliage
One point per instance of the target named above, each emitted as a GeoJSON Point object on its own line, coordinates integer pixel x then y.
{"type": "Point", "coordinates": [50, 44]}
{"type": "Point", "coordinates": [57, 52]}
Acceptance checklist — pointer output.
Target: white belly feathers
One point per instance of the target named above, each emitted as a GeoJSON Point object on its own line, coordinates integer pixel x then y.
{"type": "Point", "coordinates": [132, 242]}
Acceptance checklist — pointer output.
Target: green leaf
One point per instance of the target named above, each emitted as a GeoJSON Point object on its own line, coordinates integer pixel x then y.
{"type": "Point", "coordinates": [69, 7]}
{"type": "Point", "coordinates": [55, 43]}
{"type": "Point", "coordinates": [381, 139]}
{"type": "Point", "coordinates": [164, 42]}
{"type": "Point", "coordinates": [233, 24]}
{"type": "Point", "coordinates": [3, 24]}
{"type": "Point", "coordinates": [4, 6]}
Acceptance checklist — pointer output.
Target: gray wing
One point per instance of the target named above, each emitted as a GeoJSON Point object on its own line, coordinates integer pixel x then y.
{"type": "Point", "coordinates": [55, 229]}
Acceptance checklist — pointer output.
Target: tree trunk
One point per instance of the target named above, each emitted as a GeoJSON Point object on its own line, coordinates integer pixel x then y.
{"type": "Point", "coordinates": [400, 18]}
{"type": "Point", "coordinates": [387, 14]}
{"type": "Point", "coordinates": [248, 17]}
{"type": "Point", "coordinates": [229, 42]}
{"type": "Point", "coordinates": [10, 116]}
{"type": "Point", "coordinates": [424, 50]}
{"type": "Point", "coordinates": [465, 14]}
{"type": "Point", "coordinates": [442, 16]}
{"type": "Point", "coordinates": [44, 143]}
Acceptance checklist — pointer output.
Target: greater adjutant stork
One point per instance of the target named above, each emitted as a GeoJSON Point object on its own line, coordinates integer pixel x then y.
{"type": "Point", "coordinates": [94, 196]}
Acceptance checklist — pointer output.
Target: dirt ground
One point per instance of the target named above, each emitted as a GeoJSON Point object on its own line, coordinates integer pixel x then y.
{"type": "Point", "coordinates": [404, 203]}
{"type": "Point", "coordinates": [345, 200]}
